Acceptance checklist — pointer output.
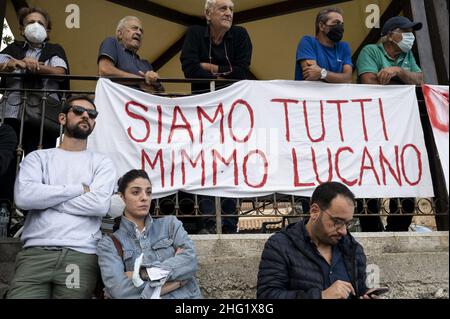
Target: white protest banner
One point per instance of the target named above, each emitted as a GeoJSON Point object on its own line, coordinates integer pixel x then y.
{"type": "Point", "coordinates": [436, 99]}
{"type": "Point", "coordinates": [254, 138]}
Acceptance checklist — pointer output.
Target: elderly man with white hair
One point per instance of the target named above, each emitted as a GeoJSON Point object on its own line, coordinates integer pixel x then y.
{"type": "Point", "coordinates": [118, 56]}
{"type": "Point", "coordinates": [217, 50]}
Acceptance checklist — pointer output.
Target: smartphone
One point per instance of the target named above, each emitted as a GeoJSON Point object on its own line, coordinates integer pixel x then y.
{"type": "Point", "coordinates": [378, 291]}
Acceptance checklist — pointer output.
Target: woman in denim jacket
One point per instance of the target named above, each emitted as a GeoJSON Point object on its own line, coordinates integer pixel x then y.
{"type": "Point", "coordinates": [159, 258]}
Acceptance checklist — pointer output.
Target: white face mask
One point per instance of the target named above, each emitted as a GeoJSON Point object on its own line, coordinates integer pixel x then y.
{"type": "Point", "coordinates": [407, 42]}
{"type": "Point", "coordinates": [35, 33]}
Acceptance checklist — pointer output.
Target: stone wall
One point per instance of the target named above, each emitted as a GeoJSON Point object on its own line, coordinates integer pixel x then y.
{"type": "Point", "coordinates": [413, 265]}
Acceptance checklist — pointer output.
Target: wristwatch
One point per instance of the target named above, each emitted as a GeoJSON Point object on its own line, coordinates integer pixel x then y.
{"type": "Point", "coordinates": [323, 74]}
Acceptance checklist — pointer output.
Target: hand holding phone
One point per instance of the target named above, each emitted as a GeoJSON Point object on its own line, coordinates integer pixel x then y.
{"type": "Point", "coordinates": [377, 291]}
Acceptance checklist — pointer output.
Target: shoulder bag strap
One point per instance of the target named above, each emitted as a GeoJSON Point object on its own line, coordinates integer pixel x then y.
{"type": "Point", "coordinates": [119, 248]}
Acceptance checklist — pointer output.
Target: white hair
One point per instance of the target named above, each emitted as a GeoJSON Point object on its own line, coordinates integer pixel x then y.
{"type": "Point", "coordinates": [209, 4]}
{"type": "Point", "coordinates": [123, 21]}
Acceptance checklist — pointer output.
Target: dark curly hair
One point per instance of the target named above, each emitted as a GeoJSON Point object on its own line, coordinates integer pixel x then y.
{"type": "Point", "coordinates": [130, 176]}
{"type": "Point", "coordinates": [326, 192]}
{"type": "Point", "coordinates": [24, 12]}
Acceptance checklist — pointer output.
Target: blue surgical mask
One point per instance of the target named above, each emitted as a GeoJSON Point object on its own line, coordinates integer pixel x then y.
{"type": "Point", "coordinates": [407, 42]}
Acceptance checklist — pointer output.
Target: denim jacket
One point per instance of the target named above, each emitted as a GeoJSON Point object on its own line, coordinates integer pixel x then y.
{"type": "Point", "coordinates": [158, 243]}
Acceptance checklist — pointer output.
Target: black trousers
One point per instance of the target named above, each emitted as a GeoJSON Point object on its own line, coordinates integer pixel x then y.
{"type": "Point", "coordinates": [30, 142]}
{"type": "Point", "coordinates": [394, 222]}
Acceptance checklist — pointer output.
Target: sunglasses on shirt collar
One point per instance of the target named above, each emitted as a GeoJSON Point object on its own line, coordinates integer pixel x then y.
{"type": "Point", "coordinates": [226, 56]}
{"type": "Point", "coordinates": [79, 110]}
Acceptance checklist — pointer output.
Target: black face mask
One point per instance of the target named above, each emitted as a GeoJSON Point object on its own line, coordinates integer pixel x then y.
{"type": "Point", "coordinates": [336, 33]}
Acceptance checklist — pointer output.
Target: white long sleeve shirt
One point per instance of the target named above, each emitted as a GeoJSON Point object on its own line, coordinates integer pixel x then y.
{"type": "Point", "coordinates": [50, 185]}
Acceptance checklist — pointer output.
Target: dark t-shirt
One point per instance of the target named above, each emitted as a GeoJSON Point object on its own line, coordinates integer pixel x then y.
{"type": "Point", "coordinates": [233, 55]}
{"type": "Point", "coordinates": [123, 58]}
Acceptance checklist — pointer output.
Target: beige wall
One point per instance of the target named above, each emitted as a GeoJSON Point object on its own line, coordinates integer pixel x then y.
{"type": "Point", "coordinates": [274, 40]}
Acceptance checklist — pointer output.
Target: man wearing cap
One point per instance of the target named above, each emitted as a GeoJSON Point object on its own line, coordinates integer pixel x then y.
{"type": "Point", "coordinates": [67, 191]}
{"type": "Point", "coordinates": [391, 61]}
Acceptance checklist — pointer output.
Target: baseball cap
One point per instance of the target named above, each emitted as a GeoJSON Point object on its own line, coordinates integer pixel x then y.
{"type": "Point", "coordinates": [399, 22]}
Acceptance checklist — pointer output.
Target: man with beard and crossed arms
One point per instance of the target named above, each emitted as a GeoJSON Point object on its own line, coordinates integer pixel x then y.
{"type": "Point", "coordinates": [67, 191]}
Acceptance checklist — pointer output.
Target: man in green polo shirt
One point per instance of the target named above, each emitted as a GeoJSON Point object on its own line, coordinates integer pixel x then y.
{"type": "Point", "coordinates": [391, 61]}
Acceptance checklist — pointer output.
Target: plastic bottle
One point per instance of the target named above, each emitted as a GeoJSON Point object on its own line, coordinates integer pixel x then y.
{"type": "Point", "coordinates": [4, 220]}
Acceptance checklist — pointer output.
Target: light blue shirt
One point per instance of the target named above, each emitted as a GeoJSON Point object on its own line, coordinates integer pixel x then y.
{"type": "Point", "coordinates": [14, 98]}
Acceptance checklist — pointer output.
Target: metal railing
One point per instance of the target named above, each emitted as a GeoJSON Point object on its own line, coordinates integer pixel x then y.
{"type": "Point", "coordinates": [192, 208]}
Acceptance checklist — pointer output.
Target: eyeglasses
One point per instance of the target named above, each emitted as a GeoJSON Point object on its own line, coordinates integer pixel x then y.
{"type": "Point", "coordinates": [339, 223]}
{"type": "Point", "coordinates": [226, 56]}
{"type": "Point", "coordinates": [79, 110]}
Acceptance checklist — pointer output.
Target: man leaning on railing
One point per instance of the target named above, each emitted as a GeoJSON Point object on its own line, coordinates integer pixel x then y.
{"type": "Point", "coordinates": [218, 50]}
{"type": "Point", "coordinates": [31, 57]}
{"type": "Point", "coordinates": [118, 56]}
{"type": "Point", "coordinates": [391, 62]}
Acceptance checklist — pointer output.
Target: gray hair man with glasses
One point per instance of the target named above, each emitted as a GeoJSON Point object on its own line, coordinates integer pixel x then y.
{"type": "Point", "coordinates": [217, 50]}
{"type": "Point", "coordinates": [67, 191]}
{"type": "Point", "coordinates": [317, 259]}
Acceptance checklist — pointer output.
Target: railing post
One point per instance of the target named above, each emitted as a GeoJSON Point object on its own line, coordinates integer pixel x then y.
{"type": "Point", "coordinates": [157, 208]}
{"type": "Point", "coordinates": [218, 216]}
{"type": "Point", "coordinates": [177, 205]}
{"type": "Point", "coordinates": [20, 137]}
{"type": "Point", "coordinates": [5, 98]}
{"type": "Point", "coordinates": [41, 130]}
{"type": "Point", "coordinates": [196, 207]}
{"type": "Point", "coordinates": [61, 128]}
{"type": "Point", "coordinates": [212, 87]}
